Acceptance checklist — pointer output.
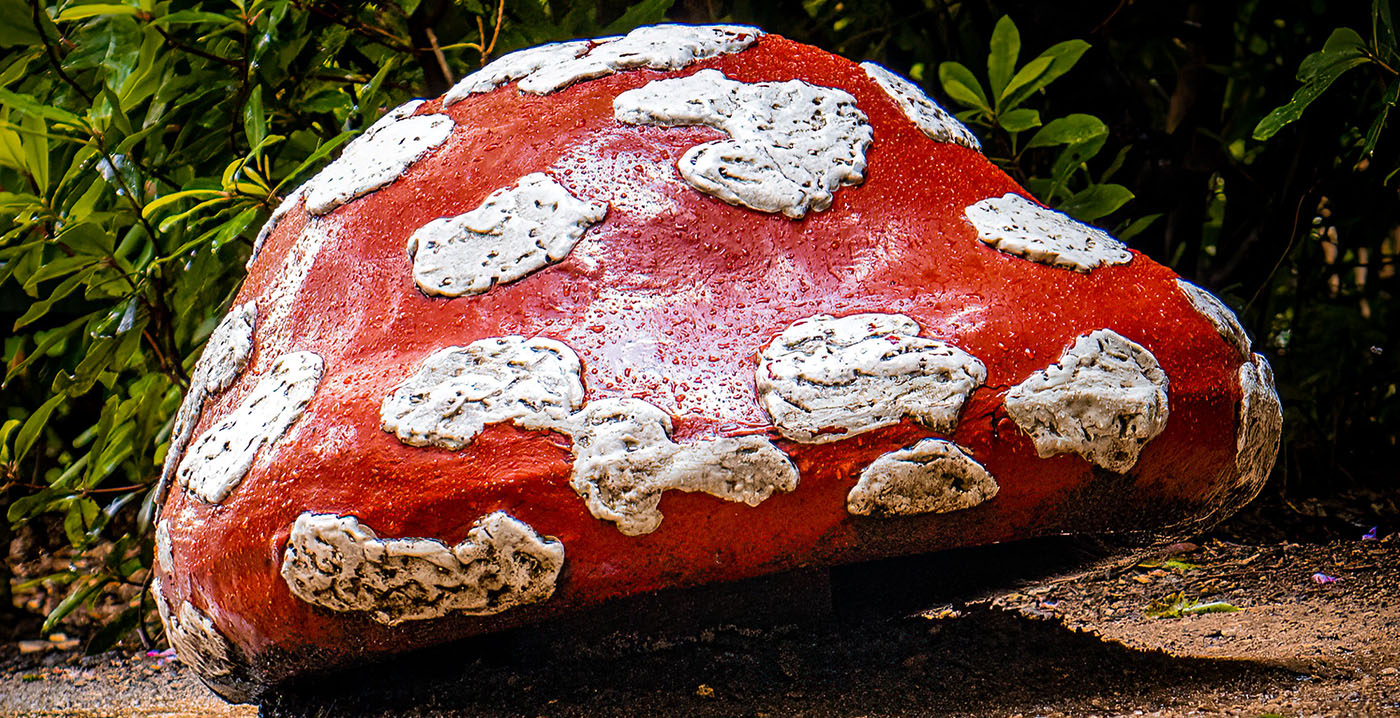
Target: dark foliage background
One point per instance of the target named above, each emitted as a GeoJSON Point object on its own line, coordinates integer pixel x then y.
{"type": "Point", "coordinates": [142, 144]}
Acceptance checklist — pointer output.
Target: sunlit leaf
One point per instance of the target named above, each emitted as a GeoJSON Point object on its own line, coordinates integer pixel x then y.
{"type": "Point", "coordinates": [1005, 49]}
{"type": "Point", "coordinates": [960, 84]}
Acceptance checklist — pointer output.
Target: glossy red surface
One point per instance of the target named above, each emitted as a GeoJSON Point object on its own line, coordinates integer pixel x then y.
{"type": "Point", "coordinates": [669, 300]}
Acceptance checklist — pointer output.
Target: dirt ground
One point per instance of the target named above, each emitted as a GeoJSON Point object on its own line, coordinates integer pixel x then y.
{"type": "Point", "coordinates": [1055, 627]}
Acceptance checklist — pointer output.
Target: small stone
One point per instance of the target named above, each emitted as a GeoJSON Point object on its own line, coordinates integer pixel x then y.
{"type": "Point", "coordinates": [33, 646]}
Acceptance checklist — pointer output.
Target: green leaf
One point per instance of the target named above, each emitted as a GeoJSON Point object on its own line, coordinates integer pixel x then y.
{"type": "Point", "coordinates": [11, 147]}
{"type": "Point", "coordinates": [31, 106]}
{"type": "Point", "coordinates": [254, 120]}
{"type": "Point", "coordinates": [1343, 44]}
{"type": "Point", "coordinates": [38, 309]}
{"type": "Point", "coordinates": [1023, 77]}
{"type": "Point", "coordinates": [1383, 27]}
{"type": "Point", "coordinates": [160, 203]}
{"type": "Point", "coordinates": [191, 17]}
{"type": "Point", "coordinates": [1343, 51]}
{"type": "Point", "coordinates": [6, 431]}
{"type": "Point", "coordinates": [82, 592]}
{"type": "Point", "coordinates": [1286, 114]}
{"type": "Point", "coordinates": [960, 84]}
{"type": "Point", "coordinates": [36, 151]}
{"type": "Point", "coordinates": [17, 24]}
{"type": "Point", "coordinates": [1136, 227]}
{"type": "Point", "coordinates": [1095, 201]}
{"type": "Point", "coordinates": [82, 12]}
{"type": "Point", "coordinates": [33, 425]}
{"type": "Point", "coordinates": [1373, 135]}
{"type": "Point", "coordinates": [55, 268]}
{"type": "Point", "coordinates": [82, 514]}
{"type": "Point", "coordinates": [1068, 130]}
{"type": "Point", "coordinates": [87, 238]}
{"type": "Point", "coordinates": [1005, 49]}
{"type": "Point", "coordinates": [32, 505]}
{"type": "Point", "coordinates": [1019, 120]}
{"type": "Point", "coordinates": [1062, 57]}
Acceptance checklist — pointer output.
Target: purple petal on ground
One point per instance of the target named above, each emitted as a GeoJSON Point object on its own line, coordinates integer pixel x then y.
{"type": "Point", "coordinates": [1322, 578]}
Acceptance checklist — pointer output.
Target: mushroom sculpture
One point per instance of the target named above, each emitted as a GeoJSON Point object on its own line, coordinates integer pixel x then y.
{"type": "Point", "coordinates": [689, 305]}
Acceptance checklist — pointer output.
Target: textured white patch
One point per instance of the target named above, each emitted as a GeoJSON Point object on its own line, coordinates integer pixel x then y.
{"type": "Point", "coordinates": [228, 349]}
{"type": "Point", "coordinates": [220, 458]}
{"type": "Point", "coordinates": [457, 391]}
{"type": "Point", "coordinates": [792, 144]}
{"type": "Point", "coordinates": [932, 120]}
{"type": "Point", "coordinates": [164, 557]}
{"type": "Point", "coordinates": [1224, 320]}
{"type": "Point", "coordinates": [376, 158]}
{"type": "Point", "coordinates": [1104, 400]}
{"type": "Point", "coordinates": [282, 297]}
{"type": "Point", "coordinates": [624, 460]}
{"type": "Point", "coordinates": [657, 47]}
{"type": "Point", "coordinates": [1018, 226]}
{"type": "Point", "coordinates": [288, 204]}
{"type": "Point", "coordinates": [825, 379]}
{"type": "Point", "coordinates": [1260, 423]}
{"type": "Point", "coordinates": [516, 231]}
{"type": "Point", "coordinates": [197, 643]}
{"type": "Point", "coordinates": [932, 476]}
{"type": "Point", "coordinates": [512, 67]}
{"type": "Point", "coordinates": [337, 563]}
{"type": "Point", "coordinates": [225, 356]}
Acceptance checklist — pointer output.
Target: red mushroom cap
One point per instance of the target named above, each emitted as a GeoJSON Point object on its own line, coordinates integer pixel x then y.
{"type": "Point", "coordinates": [690, 305]}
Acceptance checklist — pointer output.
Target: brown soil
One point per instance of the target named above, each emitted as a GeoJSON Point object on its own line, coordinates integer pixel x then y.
{"type": "Point", "coordinates": [1067, 631]}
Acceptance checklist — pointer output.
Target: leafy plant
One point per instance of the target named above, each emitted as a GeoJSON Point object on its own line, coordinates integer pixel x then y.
{"type": "Point", "coordinates": [1000, 108]}
{"type": "Point", "coordinates": [1345, 50]}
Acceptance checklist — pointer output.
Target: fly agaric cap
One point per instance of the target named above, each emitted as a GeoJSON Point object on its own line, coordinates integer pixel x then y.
{"type": "Point", "coordinates": [688, 305]}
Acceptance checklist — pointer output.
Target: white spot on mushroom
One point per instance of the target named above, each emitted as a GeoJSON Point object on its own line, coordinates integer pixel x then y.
{"type": "Point", "coordinates": [824, 378]}
{"type": "Point", "coordinates": [164, 557]}
{"type": "Point", "coordinates": [222, 456]}
{"type": "Point", "coordinates": [625, 459]}
{"type": "Point", "coordinates": [516, 231]}
{"type": "Point", "coordinates": [792, 144]}
{"type": "Point", "coordinates": [376, 158]}
{"type": "Point", "coordinates": [934, 121]}
{"type": "Point", "coordinates": [196, 641]}
{"type": "Point", "coordinates": [1220, 316]}
{"type": "Point", "coordinates": [337, 563]}
{"type": "Point", "coordinates": [932, 476]}
{"type": "Point", "coordinates": [1104, 400]}
{"type": "Point", "coordinates": [534, 383]}
{"type": "Point", "coordinates": [225, 356]}
{"type": "Point", "coordinates": [656, 47]}
{"type": "Point", "coordinates": [1015, 225]}
{"type": "Point", "coordinates": [512, 67]}
{"type": "Point", "coordinates": [1260, 423]}
{"type": "Point", "coordinates": [281, 297]}
{"type": "Point", "coordinates": [287, 205]}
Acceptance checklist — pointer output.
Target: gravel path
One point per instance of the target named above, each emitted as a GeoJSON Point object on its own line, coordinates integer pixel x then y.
{"type": "Point", "coordinates": [917, 636]}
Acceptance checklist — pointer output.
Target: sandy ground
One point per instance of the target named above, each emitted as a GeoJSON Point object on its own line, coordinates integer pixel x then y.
{"type": "Point", "coordinates": [1058, 627]}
